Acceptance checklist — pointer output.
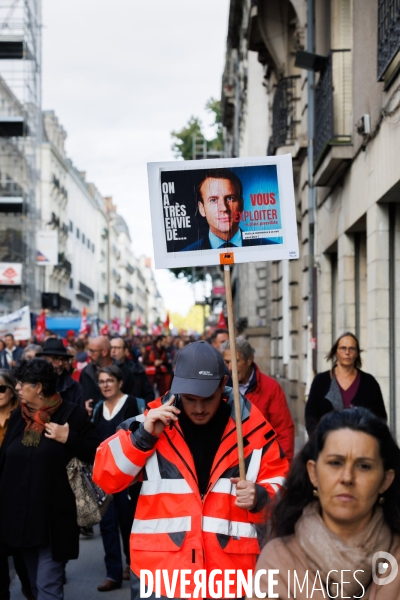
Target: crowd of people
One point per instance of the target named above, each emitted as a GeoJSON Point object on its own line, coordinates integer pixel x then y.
{"type": "Point", "coordinates": [158, 414]}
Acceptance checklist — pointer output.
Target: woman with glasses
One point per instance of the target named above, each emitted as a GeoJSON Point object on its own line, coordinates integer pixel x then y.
{"type": "Point", "coordinates": [344, 386]}
{"type": "Point", "coordinates": [108, 414]}
{"type": "Point", "coordinates": [37, 506]}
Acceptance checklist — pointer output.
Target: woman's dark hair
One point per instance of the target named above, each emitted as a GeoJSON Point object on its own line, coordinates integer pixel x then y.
{"type": "Point", "coordinates": [38, 370]}
{"type": "Point", "coordinates": [113, 371]}
{"type": "Point", "coordinates": [332, 352]}
{"type": "Point", "coordinates": [9, 380]}
{"type": "Point", "coordinates": [298, 490]}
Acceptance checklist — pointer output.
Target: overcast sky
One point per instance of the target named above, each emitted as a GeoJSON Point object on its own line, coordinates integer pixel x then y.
{"type": "Point", "coordinates": [121, 76]}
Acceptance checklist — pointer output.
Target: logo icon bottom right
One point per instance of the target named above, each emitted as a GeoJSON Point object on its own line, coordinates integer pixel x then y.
{"type": "Point", "coordinates": [383, 568]}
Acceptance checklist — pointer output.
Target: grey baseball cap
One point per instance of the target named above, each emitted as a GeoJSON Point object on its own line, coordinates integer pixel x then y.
{"type": "Point", "coordinates": [199, 369]}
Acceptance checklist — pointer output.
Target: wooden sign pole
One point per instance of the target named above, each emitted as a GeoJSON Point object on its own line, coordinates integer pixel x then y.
{"type": "Point", "coordinates": [232, 343]}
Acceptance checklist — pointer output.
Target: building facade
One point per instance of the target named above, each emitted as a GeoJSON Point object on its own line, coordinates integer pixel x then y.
{"type": "Point", "coordinates": [96, 266]}
{"type": "Point", "coordinates": [20, 139]}
{"type": "Point", "coordinates": [338, 114]}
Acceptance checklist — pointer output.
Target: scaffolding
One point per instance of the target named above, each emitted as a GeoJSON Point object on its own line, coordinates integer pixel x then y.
{"type": "Point", "coordinates": [20, 147]}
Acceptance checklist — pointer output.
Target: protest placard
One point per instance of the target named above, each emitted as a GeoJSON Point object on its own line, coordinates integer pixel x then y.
{"type": "Point", "coordinates": [18, 323]}
{"type": "Point", "coordinates": [201, 208]}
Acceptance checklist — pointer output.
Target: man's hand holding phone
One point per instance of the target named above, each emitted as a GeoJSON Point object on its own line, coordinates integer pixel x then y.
{"type": "Point", "coordinates": [157, 419]}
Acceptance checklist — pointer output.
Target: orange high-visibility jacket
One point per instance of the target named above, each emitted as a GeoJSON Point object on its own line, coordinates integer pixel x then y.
{"type": "Point", "coordinates": [174, 527]}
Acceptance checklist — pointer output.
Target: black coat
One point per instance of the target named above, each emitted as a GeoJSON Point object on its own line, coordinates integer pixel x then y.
{"type": "Point", "coordinates": [69, 389]}
{"type": "Point", "coordinates": [143, 388]}
{"type": "Point", "coordinates": [91, 389]}
{"type": "Point", "coordinates": [37, 505]}
{"type": "Point", "coordinates": [368, 395]}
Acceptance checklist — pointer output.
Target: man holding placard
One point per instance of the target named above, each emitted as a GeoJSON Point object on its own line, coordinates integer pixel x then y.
{"type": "Point", "coordinates": [194, 513]}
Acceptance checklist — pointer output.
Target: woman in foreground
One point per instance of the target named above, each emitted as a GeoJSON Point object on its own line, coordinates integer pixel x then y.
{"type": "Point", "coordinates": [341, 506]}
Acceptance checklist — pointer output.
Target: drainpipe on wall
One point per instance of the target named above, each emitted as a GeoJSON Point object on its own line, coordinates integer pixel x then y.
{"type": "Point", "coordinates": [310, 156]}
{"type": "Point", "coordinates": [236, 140]}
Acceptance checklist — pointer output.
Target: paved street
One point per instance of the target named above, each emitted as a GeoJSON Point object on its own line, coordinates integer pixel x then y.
{"type": "Point", "coordinates": [83, 575]}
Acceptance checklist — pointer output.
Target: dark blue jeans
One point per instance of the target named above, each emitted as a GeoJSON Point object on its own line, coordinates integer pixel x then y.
{"type": "Point", "coordinates": [117, 518]}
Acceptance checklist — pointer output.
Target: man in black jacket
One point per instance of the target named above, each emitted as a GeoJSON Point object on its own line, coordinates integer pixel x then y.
{"type": "Point", "coordinates": [100, 356]}
{"type": "Point", "coordinates": [55, 352]}
{"type": "Point", "coordinates": [143, 388]}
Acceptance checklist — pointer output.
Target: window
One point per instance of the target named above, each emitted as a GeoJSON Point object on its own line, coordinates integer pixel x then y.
{"type": "Point", "coordinates": [71, 226]}
{"type": "Point", "coordinates": [71, 284]}
{"type": "Point", "coordinates": [77, 233]}
{"type": "Point", "coordinates": [93, 248]}
{"type": "Point", "coordinates": [83, 238]}
{"type": "Point", "coordinates": [88, 243]}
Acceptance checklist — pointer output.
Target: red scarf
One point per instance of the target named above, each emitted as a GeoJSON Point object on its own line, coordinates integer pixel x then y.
{"type": "Point", "coordinates": [36, 420]}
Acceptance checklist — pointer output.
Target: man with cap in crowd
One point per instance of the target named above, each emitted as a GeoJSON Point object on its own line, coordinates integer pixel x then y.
{"type": "Point", "coordinates": [56, 353]}
{"type": "Point", "coordinates": [69, 339]}
{"type": "Point", "coordinates": [193, 510]}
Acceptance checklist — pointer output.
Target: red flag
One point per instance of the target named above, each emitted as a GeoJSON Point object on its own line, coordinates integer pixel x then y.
{"type": "Point", "coordinates": [40, 326]}
{"type": "Point", "coordinates": [115, 325]}
{"type": "Point", "coordinates": [221, 321]}
{"type": "Point", "coordinates": [128, 323]}
{"type": "Point", "coordinates": [105, 330]}
{"type": "Point", "coordinates": [166, 323]}
{"type": "Point", "coordinates": [84, 324]}
{"type": "Point", "coordinates": [139, 322]}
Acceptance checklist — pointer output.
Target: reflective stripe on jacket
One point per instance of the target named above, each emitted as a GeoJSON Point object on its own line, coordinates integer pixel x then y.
{"type": "Point", "coordinates": [174, 527]}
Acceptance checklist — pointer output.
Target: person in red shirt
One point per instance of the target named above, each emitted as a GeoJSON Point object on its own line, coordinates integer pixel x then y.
{"type": "Point", "coordinates": [263, 391]}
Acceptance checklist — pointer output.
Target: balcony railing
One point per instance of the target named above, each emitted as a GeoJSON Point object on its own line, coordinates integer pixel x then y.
{"type": "Point", "coordinates": [129, 268]}
{"type": "Point", "coordinates": [63, 263]}
{"type": "Point", "coordinates": [284, 113]}
{"type": "Point", "coordinates": [117, 299]}
{"type": "Point", "coordinates": [333, 104]}
{"type": "Point", "coordinates": [388, 33]}
{"type": "Point", "coordinates": [8, 187]}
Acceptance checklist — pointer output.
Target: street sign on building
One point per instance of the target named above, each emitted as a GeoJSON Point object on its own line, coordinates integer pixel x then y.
{"type": "Point", "coordinates": [47, 247]}
{"type": "Point", "coordinates": [10, 273]}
